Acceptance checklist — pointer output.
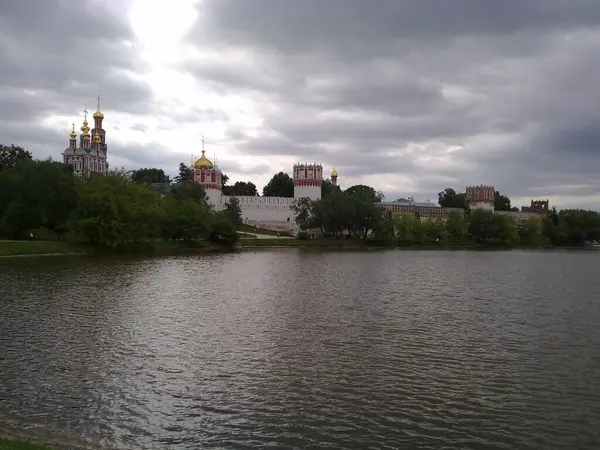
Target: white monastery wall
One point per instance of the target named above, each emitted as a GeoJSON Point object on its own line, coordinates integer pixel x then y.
{"type": "Point", "coordinates": [266, 209]}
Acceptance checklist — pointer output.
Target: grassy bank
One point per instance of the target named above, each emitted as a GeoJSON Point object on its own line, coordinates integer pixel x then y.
{"type": "Point", "coordinates": [9, 444]}
{"type": "Point", "coordinates": [31, 248]}
{"type": "Point", "coordinates": [254, 230]}
{"type": "Point", "coordinates": [23, 248]}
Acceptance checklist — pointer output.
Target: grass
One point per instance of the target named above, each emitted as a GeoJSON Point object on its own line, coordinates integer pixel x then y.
{"type": "Point", "coordinates": [10, 444]}
{"type": "Point", "coordinates": [14, 248]}
{"type": "Point", "coordinates": [251, 230]}
{"type": "Point", "coordinates": [246, 235]}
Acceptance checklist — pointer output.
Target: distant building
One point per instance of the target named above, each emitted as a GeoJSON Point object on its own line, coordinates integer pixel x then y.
{"type": "Point", "coordinates": [89, 156]}
{"type": "Point", "coordinates": [477, 197]}
{"type": "Point", "coordinates": [537, 207]}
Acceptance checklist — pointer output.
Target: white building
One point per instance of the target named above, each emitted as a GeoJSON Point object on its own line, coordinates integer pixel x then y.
{"type": "Point", "coordinates": [91, 155]}
{"type": "Point", "coordinates": [275, 213]}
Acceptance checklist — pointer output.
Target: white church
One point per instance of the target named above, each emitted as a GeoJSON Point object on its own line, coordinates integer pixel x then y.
{"type": "Point", "coordinates": [274, 213]}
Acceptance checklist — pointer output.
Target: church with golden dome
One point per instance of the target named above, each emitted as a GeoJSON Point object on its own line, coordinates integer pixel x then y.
{"type": "Point", "coordinates": [88, 154]}
{"type": "Point", "coordinates": [274, 213]}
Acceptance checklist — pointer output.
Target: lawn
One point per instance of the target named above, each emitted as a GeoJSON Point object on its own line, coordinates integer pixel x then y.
{"type": "Point", "coordinates": [9, 444]}
{"type": "Point", "coordinates": [248, 229]}
{"type": "Point", "coordinates": [13, 248]}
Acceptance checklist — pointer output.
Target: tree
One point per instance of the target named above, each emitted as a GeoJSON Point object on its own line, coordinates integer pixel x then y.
{"type": "Point", "coordinates": [501, 202]}
{"type": "Point", "coordinates": [449, 198]}
{"type": "Point", "coordinates": [185, 174]}
{"type": "Point", "coordinates": [190, 191]}
{"type": "Point", "coordinates": [244, 188]}
{"type": "Point", "coordinates": [328, 188]}
{"type": "Point", "coordinates": [185, 218]}
{"type": "Point", "coordinates": [149, 176]}
{"type": "Point", "coordinates": [37, 194]}
{"type": "Point", "coordinates": [281, 185]}
{"type": "Point", "coordinates": [366, 193]}
{"type": "Point", "coordinates": [222, 231]}
{"type": "Point", "coordinates": [113, 211]}
{"type": "Point", "coordinates": [456, 226]}
{"type": "Point", "coordinates": [233, 211]}
{"type": "Point", "coordinates": [11, 156]}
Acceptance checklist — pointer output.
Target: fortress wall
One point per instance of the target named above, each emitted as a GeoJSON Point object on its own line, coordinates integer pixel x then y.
{"type": "Point", "coordinates": [256, 200]}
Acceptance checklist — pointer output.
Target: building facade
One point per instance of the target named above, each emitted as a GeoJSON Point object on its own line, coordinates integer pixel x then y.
{"type": "Point", "coordinates": [477, 197]}
{"type": "Point", "coordinates": [88, 155]}
{"type": "Point", "coordinates": [274, 213]}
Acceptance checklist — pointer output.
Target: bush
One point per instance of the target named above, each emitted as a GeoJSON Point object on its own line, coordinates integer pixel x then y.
{"type": "Point", "coordinates": [303, 236]}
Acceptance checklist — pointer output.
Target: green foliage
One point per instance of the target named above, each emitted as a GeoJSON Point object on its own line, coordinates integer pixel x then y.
{"type": "Point", "coordinates": [36, 194]}
{"type": "Point", "coordinates": [184, 175]}
{"type": "Point", "coordinates": [328, 188]}
{"type": "Point", "coordinates": [233, 211]}
{"type": "Point", "coordinates": [281, 185]}
{"type": "Point", "coordinates": [572, 227]}
{"type": "Point", "coordinates": [449, 198]}
{"type": "Point", "coordinates": [222, 231]}
{"type": "Point", "coordinates": [352, 212]}
{"type": "Point", "coordinates": [501, 202]}
{"type": "Point", "coordinates": [9, 444]}
{"type": "Point", "coordinates": [149, 176]}
{"type": "Point", "coordinates": [11, 156]}
{"type": "Point", "coordinates": [366, 193]}
{"type": "Point", "coordinates": [113, 211]}
{"type": "Point", "coordinates": [239, 188]}
{"type": "Point", "coordinates": [185, 219]}
{"type": "Point", "coordinates": [303, 236]}
{"type": "Point", "coordinates": [189, 191]}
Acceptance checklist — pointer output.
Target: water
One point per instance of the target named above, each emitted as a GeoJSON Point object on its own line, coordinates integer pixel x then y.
{"type": "Point", "coordinates": [302, 349]}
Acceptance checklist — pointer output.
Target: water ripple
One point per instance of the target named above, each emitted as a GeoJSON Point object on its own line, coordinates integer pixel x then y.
{"type": "Point", "coordinates": [292, 349]}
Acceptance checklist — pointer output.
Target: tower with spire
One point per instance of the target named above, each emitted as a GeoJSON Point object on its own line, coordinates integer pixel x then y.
{"type": "Point", "coordinates": [206, 173]}
{"type": "Point", "coordinates": [334, 177]}
{"type": "Point", "coordinates": [89, 157]}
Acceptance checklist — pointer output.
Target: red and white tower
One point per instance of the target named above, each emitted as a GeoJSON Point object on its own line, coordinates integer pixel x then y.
{"type": "Point", "coordinates": [480, 197]}
{"type": "Point", "coordinates": [208, 175]}
{"type": "Point", "coordinates": [308, 179]}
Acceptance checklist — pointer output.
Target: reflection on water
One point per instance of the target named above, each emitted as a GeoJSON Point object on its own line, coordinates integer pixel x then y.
{"type": "Point", "coordinates": [301, 349]}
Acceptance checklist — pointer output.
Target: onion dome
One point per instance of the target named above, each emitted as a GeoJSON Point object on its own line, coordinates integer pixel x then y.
{"type": "Point", "coordinates": [85, 128]}
{"type": "Point", "coordinates": [334, 173]}
{"type": "Point", "coordinates": [97, 138]}
{"type": "Point", "coordinates": [203, 162]}
{"type": "Point", "coordinates": [98, 114]}
{"type": "Point", "coordinates": [73, 135]}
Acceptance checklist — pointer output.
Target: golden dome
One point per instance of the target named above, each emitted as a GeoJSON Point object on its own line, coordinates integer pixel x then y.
{"type": "Point", "coordinates": [98, 114]}
{"type": "Point", "coordinates": [97, 138]}
{"type": "Point", "coordinates": [334, 173]}
{"type": "Point", "coordinates": [86, 136]}
{"type": "Point", "coordinates": [84, 128]}
{"type": "Point", "coordinates": [73, 134]}
{"type": "Point", "coordinates": [203, 162]}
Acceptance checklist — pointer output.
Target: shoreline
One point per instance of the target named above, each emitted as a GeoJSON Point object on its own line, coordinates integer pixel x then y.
{"type": "Point", "coordinates": [21, 249]}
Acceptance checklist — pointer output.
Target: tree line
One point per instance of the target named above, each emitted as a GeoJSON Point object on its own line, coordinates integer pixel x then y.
{"type": "Point", "coordinates": [449, 198]}
{"type": "Point", "coordinates": [109, 211]}
{"type": "Point", "coordinates": [354, 213]}
{"type": "Point", "coordinates": [125, 206]}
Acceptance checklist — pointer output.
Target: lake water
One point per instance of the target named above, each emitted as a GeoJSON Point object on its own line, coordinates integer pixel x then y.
{"type": "Point", "coordinates": [303, 349]}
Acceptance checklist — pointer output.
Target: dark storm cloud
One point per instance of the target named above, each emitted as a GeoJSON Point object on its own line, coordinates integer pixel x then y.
{"type": "Point", "coordinates": [56, 57]}
{"type": "Point", "coordinates": [372, 86]}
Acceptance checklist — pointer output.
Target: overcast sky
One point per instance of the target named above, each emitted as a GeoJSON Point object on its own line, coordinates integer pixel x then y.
{"type": "Point", "coordinates": [408, 96]}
